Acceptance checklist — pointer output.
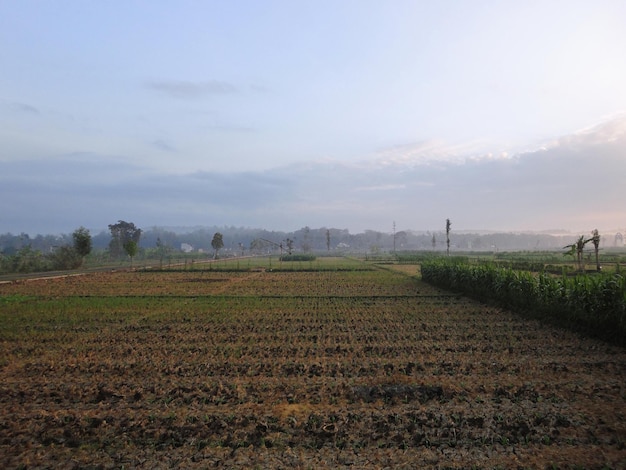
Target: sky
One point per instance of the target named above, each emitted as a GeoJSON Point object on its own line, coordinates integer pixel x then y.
{"type": "Point", "coordinates": [499, 115]}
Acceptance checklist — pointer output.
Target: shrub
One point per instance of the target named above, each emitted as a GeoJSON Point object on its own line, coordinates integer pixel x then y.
{"type": "Point", "coordinates": [64, 258]}
{"type": "Point", "coordinates": [297, 258]}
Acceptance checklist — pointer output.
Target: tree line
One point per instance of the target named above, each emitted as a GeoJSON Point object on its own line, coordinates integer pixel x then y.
{"type": "Point", "coordinates": [124, 241]}
{"type": "Point", "coordinates": [66, 253]}
{"type": "Point", "coordinates": [60, 258]}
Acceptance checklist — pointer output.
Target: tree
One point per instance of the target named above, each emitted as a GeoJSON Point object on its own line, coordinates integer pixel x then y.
{"type": "Point", "coordinates": [327, 240]}
{"type": "Point", "coordinates": [289, 242]}
{"type": "Point", "coordinates": [65, 257]}
{"type": "Point", "coordinates": [217, 243]}
{"type": "Point", "coordinates": [258, 245]}
{"type": "Point", "coordinates": [448, 225]}
{"type": "Point", "coordinates": [306, 246]}
{"type": "Point", "coordinates": [434, 242]}
{"type": "Point", "coordinates": [122, 233]}
{"type": "Point", "coordinates": [402, 238]}
{"type": "Point", "coordinates": [27, 260]}
{"type": "Point", "coordinates": [595, 239]}
{"type": "Point", "coordinates": [162, 250]}
{"type": "Point", "coordinates": [82, 242]}
{"type": "Point", "coordinates": [577, 249]}
{"type": "Point", "coordinates": [130, 248]}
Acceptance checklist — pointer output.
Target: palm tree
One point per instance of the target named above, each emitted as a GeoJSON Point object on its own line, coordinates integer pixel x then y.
{"type": "Point", "coordinates": [578, 248]}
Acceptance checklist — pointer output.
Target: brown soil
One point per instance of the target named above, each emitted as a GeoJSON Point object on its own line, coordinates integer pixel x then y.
{"type": "Point", "coordinates": [295, 370]}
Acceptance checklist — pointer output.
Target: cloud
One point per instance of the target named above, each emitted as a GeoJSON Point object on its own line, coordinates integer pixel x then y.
{"type": "Point", "coordinates": [181, 89]}
{"type": "Point", "coordinates": [578, 185]}
{"type": "Point", "coordinates": [223, 127]}
{"type": "Point", "coordinates": [259, 88]}
{"type": "Point", "coordinates": [162, 145]}
{"type": "Point", "coordinates": [610, 130]}
{"type": "Point", "coordinates": [432, 152]}
{"type": "Point", "coordinates": [382, 187]}
{"type": "Point", "coordinates": [20, 107]}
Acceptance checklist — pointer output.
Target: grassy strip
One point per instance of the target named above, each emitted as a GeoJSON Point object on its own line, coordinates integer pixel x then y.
{"type": "Point", "coordinates": [593, 304]}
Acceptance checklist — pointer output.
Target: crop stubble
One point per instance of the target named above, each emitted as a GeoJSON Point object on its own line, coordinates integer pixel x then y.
{"type": "Point", "coordinates": [294, 369]}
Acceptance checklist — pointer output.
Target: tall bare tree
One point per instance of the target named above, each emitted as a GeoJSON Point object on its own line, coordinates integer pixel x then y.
{"type": "Point", "coordinates": [448, 225]}
{"type": "Point", "coordinates": [595, 239]}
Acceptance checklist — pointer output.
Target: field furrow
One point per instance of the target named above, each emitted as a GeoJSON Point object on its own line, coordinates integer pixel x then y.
{"type": "Point", "coordinates": [295, 369]}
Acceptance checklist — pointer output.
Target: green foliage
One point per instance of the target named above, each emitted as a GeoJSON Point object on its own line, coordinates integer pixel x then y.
{"type": "Point", "coordinates": [64, 258]}
{"type": "Point", "coordinates": [413, 258]}
{"type": "Point", "coordinates": [82, 241]}
{"type": "Point", "coordinates": [121, 234]}
{"type": "Point", "coordinates": [25, 260]}
{"type": "Point", "coordinates": [302, 257]}
{"type": "Point", "coordinates": [593, 304]}
{"type": "Point", "coordinates": [162, 250]}
{"type": "Point", "coordinates": [15, 298]}
{"type": "Point", "coordinates": [130, 248]}
{"type": "Point", "coordinates": [28, 260]}
{"type": "Point", "coordinates": [218, 242]}
{"type": "Point", "coordinates": [577, 249]}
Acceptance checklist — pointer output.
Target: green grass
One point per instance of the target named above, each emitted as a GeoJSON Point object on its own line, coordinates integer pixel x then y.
{"type": "Point", "coordinates": [274, 263]}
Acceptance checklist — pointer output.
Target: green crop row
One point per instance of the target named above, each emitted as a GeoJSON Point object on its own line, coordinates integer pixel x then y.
{"type": "Point", "coordinates": [299, 257]}
{"type": "Point", "coordinates": [594, 304]}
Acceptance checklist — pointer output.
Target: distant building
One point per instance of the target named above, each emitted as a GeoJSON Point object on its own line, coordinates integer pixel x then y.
{"type": "Point", "coordinates": [186, 248]}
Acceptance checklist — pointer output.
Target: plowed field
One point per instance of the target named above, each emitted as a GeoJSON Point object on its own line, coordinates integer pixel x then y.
{"type": "Point", "coordinates": [332, 369]}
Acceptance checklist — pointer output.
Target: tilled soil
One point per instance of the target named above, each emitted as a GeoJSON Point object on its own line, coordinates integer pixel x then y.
{"type": "Point", "coordinates": [295, 370]}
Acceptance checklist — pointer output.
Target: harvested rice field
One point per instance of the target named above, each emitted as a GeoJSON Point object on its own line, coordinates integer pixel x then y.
{"type": "Point", "coordinates": [332, 366]}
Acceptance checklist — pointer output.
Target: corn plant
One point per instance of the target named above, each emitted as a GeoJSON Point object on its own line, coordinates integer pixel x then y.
{"type": "Point", "coordinates": [593, 304]}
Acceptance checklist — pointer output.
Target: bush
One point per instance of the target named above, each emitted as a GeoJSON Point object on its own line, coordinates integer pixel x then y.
{"type": "Point", "coordinates": [27, 260]}
{"type": "Point", "coordinates": [297, 258]}
{"type": "Point", "coordinates": [64, 258]}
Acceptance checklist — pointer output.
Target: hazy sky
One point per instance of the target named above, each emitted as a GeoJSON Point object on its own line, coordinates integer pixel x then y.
{"type": "Point", "coordinates": [282, 114]}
